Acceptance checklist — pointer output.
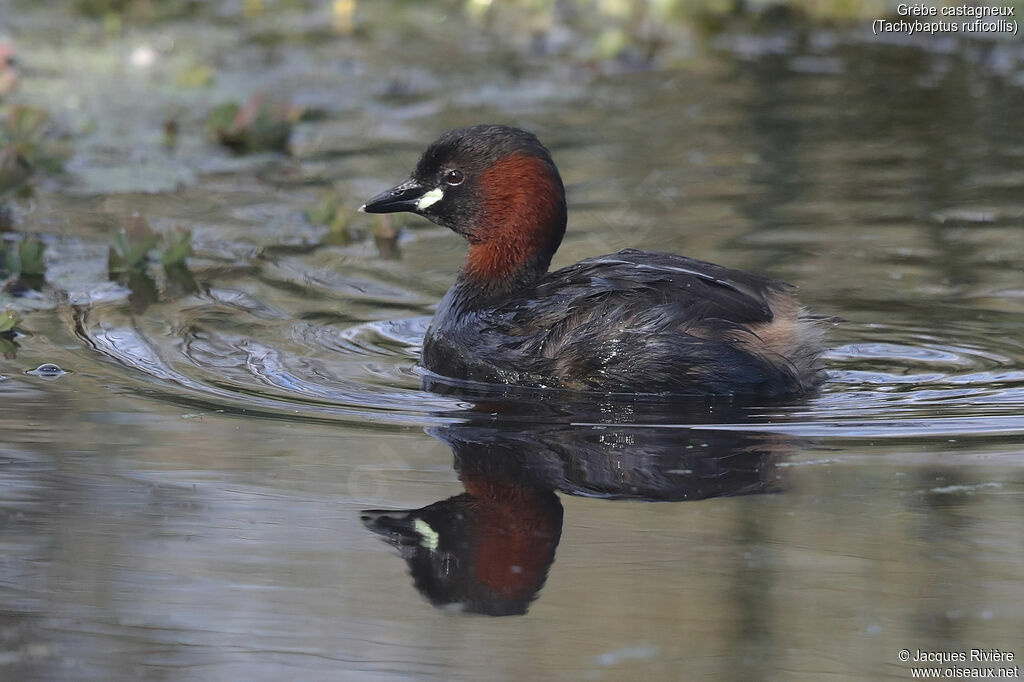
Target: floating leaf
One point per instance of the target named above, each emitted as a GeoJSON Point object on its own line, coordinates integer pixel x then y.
{"type": "Point", "coordinates": [221, 117]}
{"type": "Point", "coordinates": [24, 260]}
{"type": "Point", "coordinates": [331, 212]}
{"type": "Point", "coordinates": [131, 247]}
{"type": "Point", "coordinates": [179, 248]}
{"type": "Point", "coordinates": [258, 125]}
{"type": "Point", "coordinates": [30, 255]}
{"type": "Point", "coordinates": [28, 143]}
{"type": "Point", "coordinates": [9, 319]}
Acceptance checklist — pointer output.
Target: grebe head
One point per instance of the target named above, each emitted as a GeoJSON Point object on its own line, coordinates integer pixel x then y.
{"type": "Point", "coordinates": [496, 186]}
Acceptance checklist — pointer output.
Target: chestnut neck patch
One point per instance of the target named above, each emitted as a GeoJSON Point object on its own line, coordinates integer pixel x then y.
{"type": "Point", "coordinates": [522, 220]}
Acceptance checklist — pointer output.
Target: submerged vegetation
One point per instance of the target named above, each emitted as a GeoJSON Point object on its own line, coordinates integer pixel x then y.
{"type": "Point", "coordinates": [259, 125]}
{"type": "Point", "coordinates": [9, 321]}
{"type": "Point", "coordinates": [532, 42]}
{"type": "Point", "coordinates": [114, 12]}
{"type": "Point", "coordinates": [22, 265]}
{"type": "Point", "coordinates": [22, 270]}
{"type": "Point", "coordinates": [22, 259]}
{"type": "Point", "coordinates": [135, 246]}
{"type": "Point", "coordinates": [29, 143]}
{"type": "Point", "coordinates": [336, 212]}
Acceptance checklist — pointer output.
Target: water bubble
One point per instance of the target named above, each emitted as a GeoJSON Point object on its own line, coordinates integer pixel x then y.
{"type": "Point", "coordinates": [48, 370]}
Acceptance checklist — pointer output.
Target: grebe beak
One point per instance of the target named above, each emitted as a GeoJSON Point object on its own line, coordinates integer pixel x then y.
{"type": "Point", "coordinates": [400, 528]}
{"type": "Point", "coordinates": [409, 195]}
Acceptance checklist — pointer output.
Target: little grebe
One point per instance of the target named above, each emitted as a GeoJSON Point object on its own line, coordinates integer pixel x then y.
{"type": "Point", "coordinates": [630, 322]}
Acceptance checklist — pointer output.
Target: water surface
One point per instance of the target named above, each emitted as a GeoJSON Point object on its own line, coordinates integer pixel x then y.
{"type": "Point", "coordinates": [203, 493]}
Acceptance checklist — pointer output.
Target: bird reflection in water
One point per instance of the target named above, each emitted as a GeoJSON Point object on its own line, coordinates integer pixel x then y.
{"type": "Point", "coordinates": [489, 549]}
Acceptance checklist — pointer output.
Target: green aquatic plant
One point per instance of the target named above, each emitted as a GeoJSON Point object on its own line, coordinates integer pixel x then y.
{"type": "Point", "coordinates": [140, 10]}
{"type": "Point", "coordinates": [27, 259]}
{"type": "Point", "coordinates": [177, 249]}
{"type": "Point", "coordinates": [335, 214]}
{"type": "Point", "coordinates": [9, 320]}
{"type": "Point", "coordinates": [135, 242]}
{"type": "Point", "coordinates": [135, 247]}
{"type": "Point", "coordinates": [131, 246]}
{"type": "Point", "coordinates": [100, 8]}
{"type": "Point", "coordinates": [259, 125]}
{"type": "Point", "coordinates": [22, 264]}
{"type": "Point", "coordinates": [29, 142]}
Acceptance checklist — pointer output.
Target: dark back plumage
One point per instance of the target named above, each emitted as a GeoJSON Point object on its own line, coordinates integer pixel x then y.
{"type": "Point", "coordinates": [632, 321]}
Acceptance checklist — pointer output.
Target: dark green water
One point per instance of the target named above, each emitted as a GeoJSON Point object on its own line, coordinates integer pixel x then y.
{"type": "Point", "coordinates": [186, 502]}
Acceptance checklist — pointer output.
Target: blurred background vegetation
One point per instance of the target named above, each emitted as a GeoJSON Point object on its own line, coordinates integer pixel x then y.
{"type": "Point", "coordinates": [144, 99]}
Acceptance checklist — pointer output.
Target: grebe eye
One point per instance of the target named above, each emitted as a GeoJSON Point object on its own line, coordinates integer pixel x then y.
{"type": "Point", "coordinates": [454, 177]}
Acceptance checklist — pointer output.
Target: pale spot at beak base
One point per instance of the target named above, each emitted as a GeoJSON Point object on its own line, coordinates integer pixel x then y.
{"type": "Point", "coordinates": [428, 536]}
{"type": "Point", "coordinates": [430, 198]}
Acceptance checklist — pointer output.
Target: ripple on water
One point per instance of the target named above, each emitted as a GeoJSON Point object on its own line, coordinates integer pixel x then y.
{"type": "Point", "coordinates": [234, 351]}
{"type": "Point", "coordinates": [363, 372]}
{"type": "Point", "coordinates": [967, 372]}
